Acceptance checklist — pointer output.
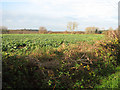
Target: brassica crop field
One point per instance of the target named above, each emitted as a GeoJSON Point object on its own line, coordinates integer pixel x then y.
{"type": "Point", "coordinates": [25, 43]}
{"type": "Point", "coordinates": [58, 60]}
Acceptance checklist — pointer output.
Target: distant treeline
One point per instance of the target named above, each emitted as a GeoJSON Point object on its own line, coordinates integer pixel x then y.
{"type": "Point", "coordinates": [48, 32]}
{"type": "Point", "coordinates": [43, 30]}
{"type": "Point", "coordinates": [22, 32]}
{"type": "Point", "coordinates": [40, 32]}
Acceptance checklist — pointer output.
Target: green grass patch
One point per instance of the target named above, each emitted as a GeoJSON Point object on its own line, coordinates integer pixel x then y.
{"type": "Point", "coordinates": [112, 81]}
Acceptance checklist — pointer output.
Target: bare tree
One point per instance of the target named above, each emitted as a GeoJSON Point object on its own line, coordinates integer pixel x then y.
{"type": "Point", "coordinates": [91, 29]}
{"type": "Point", "coordinates": [72, 26]}
{"type": "Point", "coordinates": [110, 29]}
{"type": "Point", "coordinates": [69, 26]}
{"type": "Point", "coordinates": [3, 30]}
{"type": "Point", "coordinates": [42, 30]}
{"type": "Point", "coordinates": [75, 25]}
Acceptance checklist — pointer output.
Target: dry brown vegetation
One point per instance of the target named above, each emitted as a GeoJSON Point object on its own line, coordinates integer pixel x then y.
{"type": "Point", "coordinates": [112, 34]}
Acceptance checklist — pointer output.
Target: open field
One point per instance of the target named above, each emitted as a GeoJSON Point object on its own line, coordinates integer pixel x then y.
{"type": "Point", "coordinates": [26, 43]}
{"type": "Point", "coordinates": [58, 60]}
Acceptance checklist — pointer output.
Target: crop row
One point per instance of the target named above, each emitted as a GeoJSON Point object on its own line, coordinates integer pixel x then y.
{"type": "Point", "coordinates": [21, 43]}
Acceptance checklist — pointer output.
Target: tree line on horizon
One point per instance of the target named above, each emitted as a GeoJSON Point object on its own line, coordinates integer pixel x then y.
{"type": "Point", "coordinates": [71, 27]}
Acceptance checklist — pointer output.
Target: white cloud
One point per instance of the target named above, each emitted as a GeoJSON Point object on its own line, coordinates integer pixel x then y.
{"type": "Point", "coordinates": [13, 0]}
{"type": "Point", "coordinates": [59, 12]}
{"type": "Point", "coordinates": [80, 8]}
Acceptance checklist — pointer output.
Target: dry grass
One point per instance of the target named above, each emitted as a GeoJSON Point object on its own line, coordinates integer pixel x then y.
{"type": "Point", "coordinates": [113, 34]}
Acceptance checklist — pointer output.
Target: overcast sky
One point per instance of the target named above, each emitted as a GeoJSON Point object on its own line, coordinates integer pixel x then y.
{"type": "Point", "coordinates": [54, 14]}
